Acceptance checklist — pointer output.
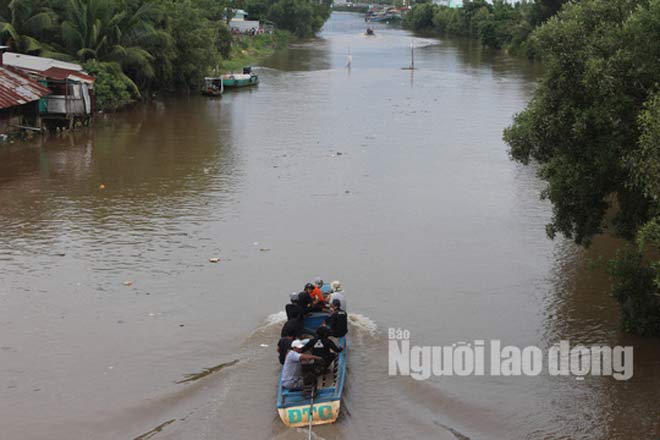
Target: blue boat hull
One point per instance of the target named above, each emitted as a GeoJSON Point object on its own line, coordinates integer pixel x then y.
{"type": "Point", "coordinates": [294, 406]}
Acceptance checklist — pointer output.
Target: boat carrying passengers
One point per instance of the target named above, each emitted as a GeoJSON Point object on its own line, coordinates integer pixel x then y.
{"type": "Point", "coordinates": [316, 297]}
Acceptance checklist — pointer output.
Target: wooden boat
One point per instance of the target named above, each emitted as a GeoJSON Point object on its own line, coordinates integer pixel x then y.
{"type": "Point", "coordinates": [236, 80]}
{"type": "Point", "coordinates": [294, 406]}
{"type": "Point", "coordinates": [212, 86]}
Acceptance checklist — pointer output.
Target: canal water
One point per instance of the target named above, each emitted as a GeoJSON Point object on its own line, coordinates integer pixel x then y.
{"type": "Point", "coordinates": [395, 182]}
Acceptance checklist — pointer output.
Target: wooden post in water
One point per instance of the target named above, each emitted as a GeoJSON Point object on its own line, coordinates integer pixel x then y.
{"type": "Point", "coordinates": [412, 56]}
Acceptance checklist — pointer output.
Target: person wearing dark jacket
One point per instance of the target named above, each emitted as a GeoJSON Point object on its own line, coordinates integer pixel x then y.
{"type": "Point", "coordinates": [305, 301]}
{"type": "Point", "coordinates": [283, 346]}
{"type": "Point", "coordinates": [294, 327]}
{"type": "Point", "coordinates": [337, 321]}
{"type": "Point", "coordinates": [323, 347]}
{"type": "Point", "coordinates": [294, 308]}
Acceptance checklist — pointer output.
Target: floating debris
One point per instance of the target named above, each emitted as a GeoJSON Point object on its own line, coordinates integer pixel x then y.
{"type": "Point", "coordinates": [128, 283]}
{"type": "Point", "coordinates": [265, 249]}
{"type": "Point", "coordinates": [214, 260]}
{"type": "Point", "coordinates": [101, 186]}
{"type": "Point", "coordinates": [205, 372]}
{"type": "Point", "coordinates": [263, 345]}
{"type": "Point", "coordinates": [154, 431]}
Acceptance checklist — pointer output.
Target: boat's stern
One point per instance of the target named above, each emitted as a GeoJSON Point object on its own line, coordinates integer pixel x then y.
{"type": "Point", "coordinates": [322, 413]}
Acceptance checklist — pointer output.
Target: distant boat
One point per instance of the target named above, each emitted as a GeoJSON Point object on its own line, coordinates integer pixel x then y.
{"type": "Point", "coordinates": [236, 80]}
{"type": "Point", "coordinates": [213, 86]}
{"type": "Point", "coordinates": [295, 407]}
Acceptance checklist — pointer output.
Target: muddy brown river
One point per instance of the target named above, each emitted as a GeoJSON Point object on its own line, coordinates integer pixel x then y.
{"type": "Point", "coordinates": [395, 182]}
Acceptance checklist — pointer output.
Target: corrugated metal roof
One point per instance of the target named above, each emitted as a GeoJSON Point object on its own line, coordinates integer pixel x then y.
{"type": "Point", "coordinates": [62, 74]}
{"type": "Point", "coordinates": [17, 88]}
{"type": "Point", "coordinates": [36, 64]}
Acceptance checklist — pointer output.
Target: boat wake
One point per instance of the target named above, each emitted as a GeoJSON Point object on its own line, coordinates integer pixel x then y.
{"type": "Point", "coordinates": [425, 42]}
{"type": "Point", "coordinates": [275, 318]}
{"type": "Point", "coordinates": [363, 323]}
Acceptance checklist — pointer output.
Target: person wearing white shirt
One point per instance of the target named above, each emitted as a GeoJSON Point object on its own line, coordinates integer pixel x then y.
{"type": "Point", "coordinates": [338, 293]}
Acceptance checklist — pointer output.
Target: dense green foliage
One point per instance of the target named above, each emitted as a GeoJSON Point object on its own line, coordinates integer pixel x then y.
{"type": "Point", "coordinates": [25, 24]}
{"type": "Point", "coordinates": [593, 125]}
{"type": "Point", "coordinates": [497, 25]}
{"type": "Point", "coordinates": [301, 18]}
{"type": "Point", "coordinates": [147, 45]}
{"type": "Point", "coordinates": [113, 89]}
{"type": "Point", "coordinates": [635, 289]}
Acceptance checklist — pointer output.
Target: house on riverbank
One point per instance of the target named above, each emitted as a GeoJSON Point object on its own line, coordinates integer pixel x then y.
{"type": "Point", "coordinates": [20, 97]}
{"type": "Point", "coordinates": [240, 24]}
{"type": "Point", "coordinates": [71, 97]}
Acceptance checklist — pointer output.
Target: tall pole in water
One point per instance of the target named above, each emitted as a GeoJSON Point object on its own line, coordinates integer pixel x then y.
{"type": "Point", "coordinates": [412, 55]}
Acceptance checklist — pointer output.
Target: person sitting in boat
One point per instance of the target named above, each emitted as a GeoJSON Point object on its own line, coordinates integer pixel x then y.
{"type": "Point", "coordinates": [317, 292]}
{"type": "Point", "coordinates": [317, 297]}
{"type": "Point", "coordinates": [325, 287]}
{"type": "Point", "coordinates": [283, 346]}
{"type": "Point", "coordinates": [294, 308]}
{"type": "Point", "coordinates": [323, 347]}
{"type": "Point", "coordinates": [305, 301]}
{"type": "Point", "coordinates": [338, 320]}
{"type": "Point", "coordinates": [292, 378]}
{"type": "Point", "coordinates": [294, 326]}
{"type": "Point", "coordinates": [337, 293]}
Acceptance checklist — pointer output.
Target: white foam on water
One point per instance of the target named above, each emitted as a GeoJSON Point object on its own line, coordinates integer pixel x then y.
{"type": "Point", "coordinates": [273, 319]}
{"type": "Point", "coordinates": [363, 323]}
{"type": "Point", "coordinates": [424, 42]}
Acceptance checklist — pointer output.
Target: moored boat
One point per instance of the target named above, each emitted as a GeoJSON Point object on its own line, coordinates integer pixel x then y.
{"type": "Point", "coordinates": [212, 86]}
{"type": "Point", "coordinates": [322, 399]}
{"type": "Point", "coordinates": [245, 79]}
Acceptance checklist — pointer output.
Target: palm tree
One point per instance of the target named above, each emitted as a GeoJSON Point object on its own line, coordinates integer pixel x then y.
{"type": "Point", "coordinates": [106, 30]}
{"type": "Point", "coordinates": [23, 23]}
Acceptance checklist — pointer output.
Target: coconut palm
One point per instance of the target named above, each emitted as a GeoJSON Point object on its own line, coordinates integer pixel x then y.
{"type": "Point", "coordinates": [108, 31]}
{"type": "Point", "coordinates": [23, 23]}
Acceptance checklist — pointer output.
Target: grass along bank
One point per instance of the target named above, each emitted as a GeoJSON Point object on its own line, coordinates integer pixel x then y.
{"type": "Point", "coordinates": [248, 50]}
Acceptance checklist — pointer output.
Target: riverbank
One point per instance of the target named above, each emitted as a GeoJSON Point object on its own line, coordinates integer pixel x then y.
{"type": "Point", "coordinates": [499, 26]}
{"type": "Point", "coordinates": [248, 50]}
{"type": "Point", "coordinates": [350, 8]}
{"type": "Point", "coordinates": [114, 91]}
{"type": "Point", "coordinates": [143, 49]}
